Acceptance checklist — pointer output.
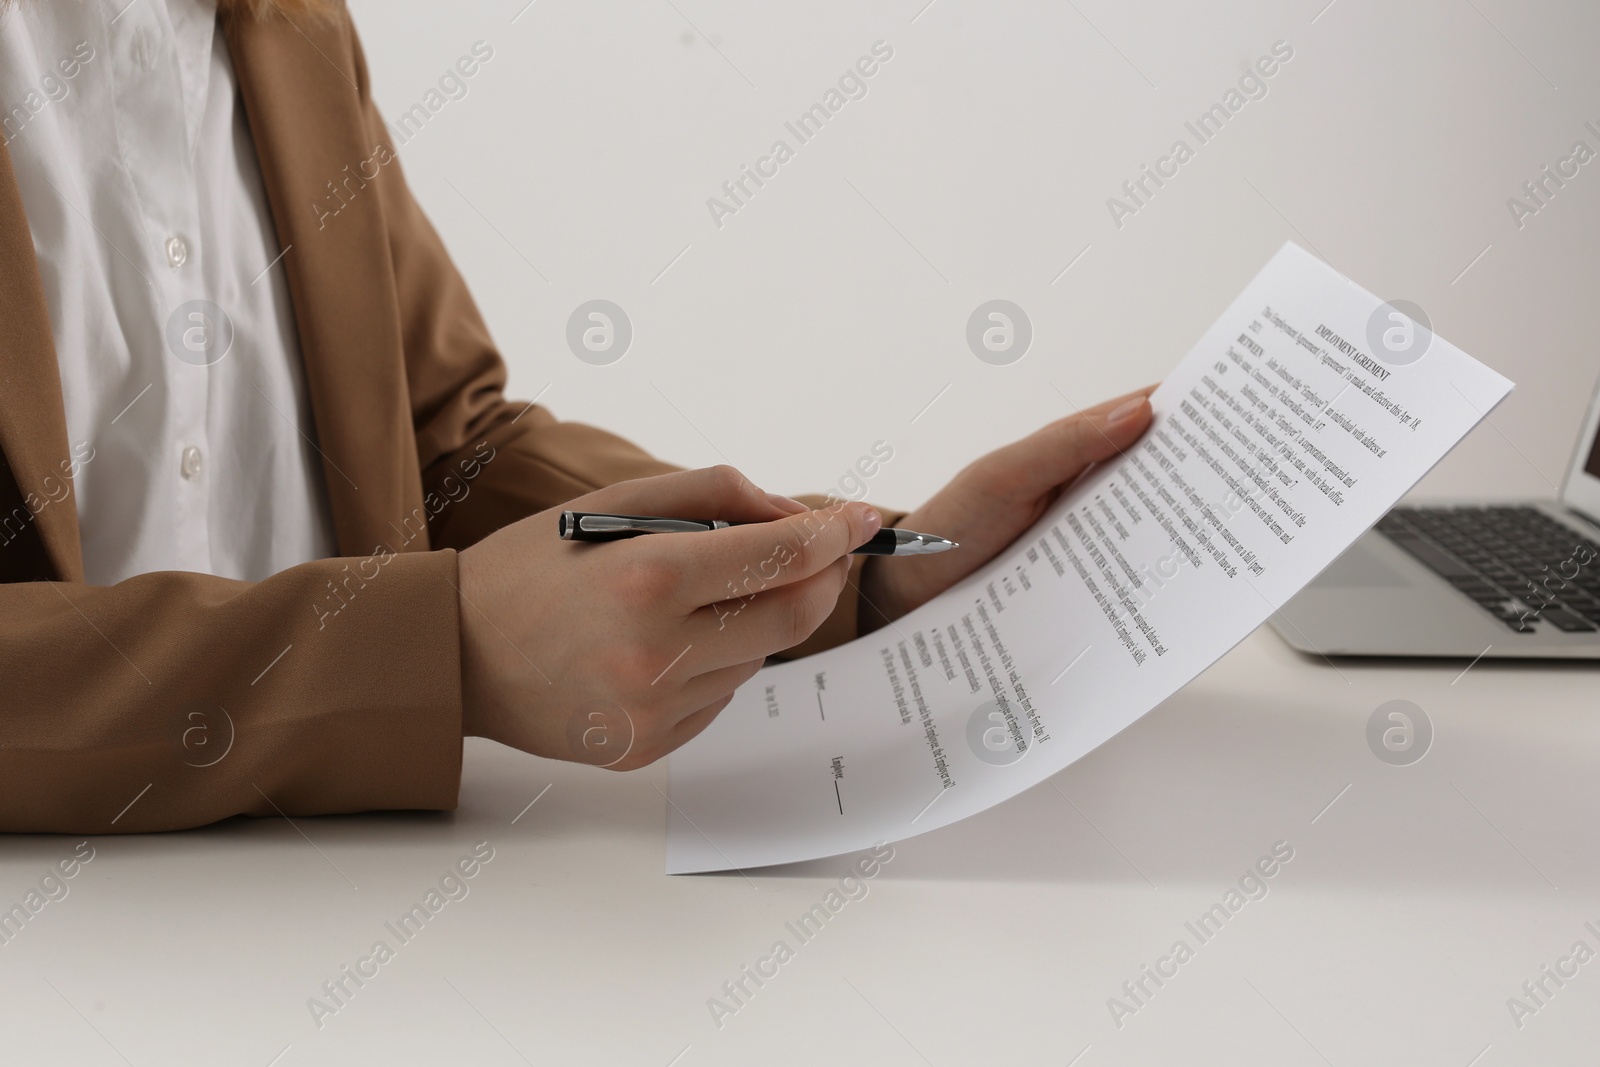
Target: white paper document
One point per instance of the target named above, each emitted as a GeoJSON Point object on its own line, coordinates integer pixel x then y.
{"type": "Point", "coordinates": [1304, 413]}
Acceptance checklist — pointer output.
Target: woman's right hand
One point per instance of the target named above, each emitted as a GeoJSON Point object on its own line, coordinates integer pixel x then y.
{"type": "Point", "coordinates": [616, 653]}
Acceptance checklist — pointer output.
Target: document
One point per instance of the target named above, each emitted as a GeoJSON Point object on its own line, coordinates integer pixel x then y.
{"type": "Point", "coordinates": [1304, 413]}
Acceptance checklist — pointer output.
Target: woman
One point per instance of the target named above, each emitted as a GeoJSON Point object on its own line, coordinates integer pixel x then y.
{"type": "Point", "coordinates": [271, 538]}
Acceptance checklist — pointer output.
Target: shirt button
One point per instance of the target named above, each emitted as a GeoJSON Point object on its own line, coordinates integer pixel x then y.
{"type": "Point", "coordinates": [177, 251]}
{"type": "Point", "coordinates": [191, 463]}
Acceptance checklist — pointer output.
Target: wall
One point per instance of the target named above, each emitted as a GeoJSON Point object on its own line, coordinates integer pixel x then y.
{"type": "Point", "coordinates": [831, 308]}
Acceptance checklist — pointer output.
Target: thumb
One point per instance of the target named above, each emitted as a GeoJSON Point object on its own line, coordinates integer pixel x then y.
{"type": "Point", "coordinates": [1059, 452]}
{"type": "Point", "coordinates": [719, 492]}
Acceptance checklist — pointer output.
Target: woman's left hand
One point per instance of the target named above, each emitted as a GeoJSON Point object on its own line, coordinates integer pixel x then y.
{"type": "Point", "coordinates": [993, 500]}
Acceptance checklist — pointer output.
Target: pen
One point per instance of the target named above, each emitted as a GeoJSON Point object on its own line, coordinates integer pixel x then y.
{"type": "Point", "coordinates": [592, 526]}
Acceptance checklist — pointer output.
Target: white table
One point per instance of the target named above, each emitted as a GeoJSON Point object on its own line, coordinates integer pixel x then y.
{"type": "Point", "coordinates": [1414, 906]}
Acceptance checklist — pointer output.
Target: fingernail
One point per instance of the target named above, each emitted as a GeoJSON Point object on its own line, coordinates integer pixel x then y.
{"type": "Point", "coordinates": [1125, 410]}
{"type": "Point", "coordinates": [874, 521]}
{"type": "Point", "coordinates": [786, 505]}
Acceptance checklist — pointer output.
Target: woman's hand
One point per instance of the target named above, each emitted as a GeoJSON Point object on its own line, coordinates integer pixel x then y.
{"type": "Point", "coordinates": [993, 500]}
{"type": "Point", "coordinates": [615, 654]}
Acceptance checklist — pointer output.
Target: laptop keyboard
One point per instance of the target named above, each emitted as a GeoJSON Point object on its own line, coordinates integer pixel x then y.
{"type": "Point", "coordinates": [1519, 564]}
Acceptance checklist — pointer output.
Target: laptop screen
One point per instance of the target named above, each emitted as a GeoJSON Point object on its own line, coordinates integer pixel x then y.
{"type": "Point", "coordinates": [1582, 491]}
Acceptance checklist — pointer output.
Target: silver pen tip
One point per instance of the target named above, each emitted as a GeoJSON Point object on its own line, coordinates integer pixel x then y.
{"type": "Point", "coordinates": [924, 545]}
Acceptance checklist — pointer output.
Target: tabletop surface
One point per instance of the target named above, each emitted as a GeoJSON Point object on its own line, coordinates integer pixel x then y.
{"type": "Point", "coordinates": [1417, 902]}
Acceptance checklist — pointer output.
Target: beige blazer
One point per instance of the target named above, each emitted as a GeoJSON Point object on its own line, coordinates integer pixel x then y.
{"type": "Point", "coordinates": [115, 701]}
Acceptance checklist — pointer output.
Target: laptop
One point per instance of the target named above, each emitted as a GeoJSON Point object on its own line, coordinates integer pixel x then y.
{"type": "Point", "coordinates": [1465, 579]}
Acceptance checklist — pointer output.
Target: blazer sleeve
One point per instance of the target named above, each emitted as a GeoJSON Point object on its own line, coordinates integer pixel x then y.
{"type": "Point", "coordinates": [174, 699]}
{"type": "Point", "coordinates": [457, 381]}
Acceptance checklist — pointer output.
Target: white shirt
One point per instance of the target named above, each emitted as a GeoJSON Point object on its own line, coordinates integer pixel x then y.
{"type": "Point", "coordinates": [144, 195]}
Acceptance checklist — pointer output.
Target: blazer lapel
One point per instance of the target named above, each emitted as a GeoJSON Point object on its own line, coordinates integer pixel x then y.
{"type": "Point", "coordinates": [306, 118]}
{"type": "Point", "coordinates": [33, 417]}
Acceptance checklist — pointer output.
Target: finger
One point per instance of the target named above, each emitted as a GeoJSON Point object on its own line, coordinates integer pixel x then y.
{"type": "Point", "coordinates": [703, 708]}
{"type": "Point", "coordinates": [691, 725]}
{"type": "Point", "coordinates": [768, 621]}
{"type": "Point", "coordinates": [1059, 452]}
{"type": "Point", "coordinates": [741, 560]}
{"type": "Point", "coordinates": [719, 492]}
{"type": "Point", "coordinates": [711, 686]}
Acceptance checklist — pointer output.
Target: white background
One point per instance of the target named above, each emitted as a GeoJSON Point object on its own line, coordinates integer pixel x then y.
{"type": "Point", "coordinates": [816, 320]}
